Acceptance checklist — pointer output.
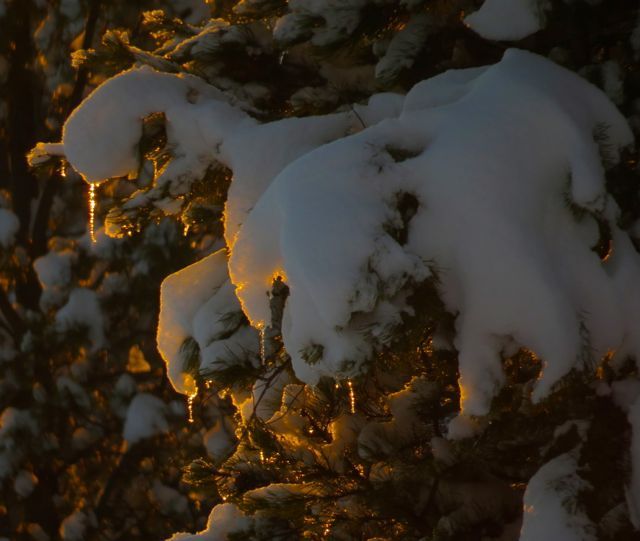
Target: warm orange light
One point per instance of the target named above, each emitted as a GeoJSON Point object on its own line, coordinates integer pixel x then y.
{"type": "Point", "coordinates": [278, 274]}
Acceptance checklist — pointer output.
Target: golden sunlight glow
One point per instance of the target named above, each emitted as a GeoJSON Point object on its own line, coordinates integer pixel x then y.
{"type": "Point", "coordinates": [277, 274]}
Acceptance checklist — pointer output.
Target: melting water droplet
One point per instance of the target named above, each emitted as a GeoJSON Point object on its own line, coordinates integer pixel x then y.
{"type": "Point", "coordinates": [92, 211]}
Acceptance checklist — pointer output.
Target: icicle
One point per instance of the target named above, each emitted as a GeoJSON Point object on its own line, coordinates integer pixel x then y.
{"type": "Point", "coordinates": [263, 354]}
{"type": "Point", "coordinates": [190, 400]}
{"type": "Point", "coordinates": [352, 396]}
{"type": "Point", "coordinates": [92, 211]}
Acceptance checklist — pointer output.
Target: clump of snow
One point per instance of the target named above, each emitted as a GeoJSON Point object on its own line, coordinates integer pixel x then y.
{"type": "Point", "coordinates": [196, 112]}
{"type": "Point", "coordinates": [551, 509]}
{"type": "Point", "coordinates": [168, 500]}
{"type": "Point", "coordinates": [54, 268]}
{"type": "Point", "coordinates": [83, 311]}
{"type": "Point", "coordinates": [54, 274]}
{"type": "Point", "coordinates": [338, 21]}
{"type": "Point", "coordinates": [14, 423]}
{"type": "Point", "coordinates": [219, 440]}
{"type": "Point", "coordinates": [480, 194]}
{"type": "Point", "coordinates": [507, 19]}
{"type": "Point", "coordinates": [9, 225]}
{"type": "Point", "coordinates": [24, 483]}
{"type": "Point", "coordinates": [68, 387]}
{"type": "Point", "coordinates": [198, 302]}
{"type": "Point", "coordinates": [74, 527]}
{"type": "Point", "coordinates": [224, 519]}
{"type": "Point", "coordinates": [403, 48]}
{"type": "Point", "coordinates": [384, 438]}
{"type": "Point", "coordinates": [146, 417]}
{"type": "Point", "coordinates": [612, 81]}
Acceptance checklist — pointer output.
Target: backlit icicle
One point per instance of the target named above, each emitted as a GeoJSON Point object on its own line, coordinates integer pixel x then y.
{"type": "Point", "coordinates": [92, 211]}
{"type": "Point", "coordinates": [352, 396]}
{"type": "Point", "coordinates": [190, 399]}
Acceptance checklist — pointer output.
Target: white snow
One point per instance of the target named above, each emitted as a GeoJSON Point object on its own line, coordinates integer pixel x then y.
{"type": "Point", "coordinates": [403, 48]}
{"type": "Point", "coordinates": [613, 82]}
{"type": "Point", "coordinates": [13, 423]}
{"type": "Point", "coordinates": [224, 519]}
{"type": "Point", "coordinates": [119, 106]}
{"type": "Point", "coordinates": [510, 275]}
{"type": "Point", "coordinates": [54, 268]}
{"type": "Point", "coordinates": [146, 417]}
{"type": "Point", "coordinates": [74, 526]}
{"type": "Point", "coordinates": [196, 302]}
{"type": "Point", "coordinates": [507, 19]}
{"type": "Point", "coordinates": [340, 18]}
{"type": "Point", "coordinates": [551, 510]}
{"type": "Point", "coordinates": [9, 225]}
{"type": "Point", "coordinates": [168, 500]}
{"type": "Point", "coordinates": [495, 159]}
{"type": "Point", "coordinates": [219, 440]}
{"type": "Point", "coordinates": [24, 483]}
{"type": "Point", "coordinates": [54, 274]}
{"type": "Point", "coordinates": [83, 311]}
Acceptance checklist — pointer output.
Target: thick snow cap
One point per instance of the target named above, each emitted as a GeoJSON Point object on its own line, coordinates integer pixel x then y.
{"type": "Point", "coordinates": [496, 159]}
{"type": "Point", "coordinates": [506, 186]}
